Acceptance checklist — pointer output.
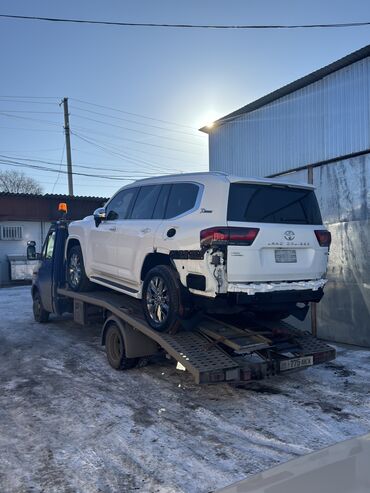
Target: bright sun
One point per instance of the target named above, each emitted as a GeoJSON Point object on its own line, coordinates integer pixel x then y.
{"type": "Point", "coordinates": [207, 120]}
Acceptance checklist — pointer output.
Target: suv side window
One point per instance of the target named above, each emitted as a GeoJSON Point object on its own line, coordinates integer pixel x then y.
{"type": "Point", "coordinates": [145, 202]}
{"type": "Point", "coordinates": [160, 207]}
{"type": "Point", "coordinates": [120, 205]}
{"type": "Point", "coordinates": [182, 198]}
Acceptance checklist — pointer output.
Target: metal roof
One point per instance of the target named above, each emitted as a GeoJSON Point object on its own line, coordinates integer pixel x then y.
{"type": "Point", "coordinates": [294, 86]}
{"type": "Point", "coordinates": [48, 196]}
{"type": "Point", "coordinates": [33, 207]}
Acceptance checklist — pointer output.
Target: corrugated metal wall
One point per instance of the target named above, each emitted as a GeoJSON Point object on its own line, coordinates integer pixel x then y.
{"type": "Point", "coordinates": [324, 120]}
{"type": "Point", "coordinates": [343, 191]}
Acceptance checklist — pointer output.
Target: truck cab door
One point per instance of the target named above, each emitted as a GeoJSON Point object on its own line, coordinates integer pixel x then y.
{"type": "Point", "coordinates": [45, 271]}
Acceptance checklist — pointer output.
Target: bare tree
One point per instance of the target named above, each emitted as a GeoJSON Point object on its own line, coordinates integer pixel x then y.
{"type": "Point", "coordinates": [18, 182]}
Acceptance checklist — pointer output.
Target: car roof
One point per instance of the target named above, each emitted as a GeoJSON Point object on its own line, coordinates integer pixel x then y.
{"type": "Point", "coordinates": [208, 177]}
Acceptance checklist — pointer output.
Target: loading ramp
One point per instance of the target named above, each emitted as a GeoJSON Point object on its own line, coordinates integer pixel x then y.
{"type": "Point", "coordinates": [215, 350]}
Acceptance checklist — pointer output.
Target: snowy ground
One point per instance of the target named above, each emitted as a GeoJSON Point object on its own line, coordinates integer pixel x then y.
{"type": "Point", "coordinates": [69, 423]}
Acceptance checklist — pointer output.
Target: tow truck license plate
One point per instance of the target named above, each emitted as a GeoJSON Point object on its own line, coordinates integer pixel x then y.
{"type": "Point", "coordinates": [291, 364]}
{"type": "Point", "coordinates": [285, 256]}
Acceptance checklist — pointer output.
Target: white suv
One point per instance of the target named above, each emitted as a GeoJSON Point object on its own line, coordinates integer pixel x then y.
{"type": "Point", "coordinates": [204, 241]}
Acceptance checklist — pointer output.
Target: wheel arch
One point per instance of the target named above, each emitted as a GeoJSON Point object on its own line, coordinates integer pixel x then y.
{"type": "Point", "coordinates": [137, 345]}
{"type": "Point", "coordinates": [153, 260]}
{"type": "Point", "coordinates": [71, 242]}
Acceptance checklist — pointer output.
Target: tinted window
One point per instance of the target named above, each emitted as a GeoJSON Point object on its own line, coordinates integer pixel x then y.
{"type": "Point", "coordinates": [182, 198]}
{"type": "Point", "coordinates": [145, 202]}
{"type": "Point", "coordinates": [161, 202]}
{"type": "Point", "coordinates": [272, 204]}
{"type": "Point", "coordinates": [119, 206]}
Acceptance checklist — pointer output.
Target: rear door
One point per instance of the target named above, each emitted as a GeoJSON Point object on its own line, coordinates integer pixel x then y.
{"type": "Point", "coordinates": [286, 247]}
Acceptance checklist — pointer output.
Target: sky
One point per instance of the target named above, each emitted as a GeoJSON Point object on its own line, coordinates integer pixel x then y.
{"type": "Point", "coordinates": [137, 96]}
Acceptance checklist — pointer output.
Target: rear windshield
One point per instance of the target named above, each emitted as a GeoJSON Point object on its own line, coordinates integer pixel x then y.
{"type": "Point", "coordinates": [272, 204]}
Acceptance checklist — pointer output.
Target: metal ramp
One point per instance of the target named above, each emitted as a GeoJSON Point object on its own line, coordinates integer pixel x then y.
{"type": "Point", "coordinates": [240, 340]}
{"type": "Point", "coordinates": [204, 360]}
{"type": "Point", "coordinates": [215, 350]}
{"type": "Point", "coordinates": [197, 353]}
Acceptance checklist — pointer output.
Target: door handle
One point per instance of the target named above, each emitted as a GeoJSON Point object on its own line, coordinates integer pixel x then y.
{"type": "Point", "coordinates": [145, 230]}
{"type": "Point", "coordinates": [112, 228]}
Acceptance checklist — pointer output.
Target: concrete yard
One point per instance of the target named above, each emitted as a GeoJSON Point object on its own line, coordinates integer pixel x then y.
{"type": "Point", "coordinates": [69, 423]}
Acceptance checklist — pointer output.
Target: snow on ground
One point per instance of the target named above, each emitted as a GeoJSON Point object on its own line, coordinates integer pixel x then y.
{"type": "Point", "coordinates": [69, 423]}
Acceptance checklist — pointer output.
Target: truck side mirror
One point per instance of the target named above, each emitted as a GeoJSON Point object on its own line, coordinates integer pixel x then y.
{"type": "Point", "coordinates": [99, 215]}
{"type": "Point", "coordinates": [31, 251]}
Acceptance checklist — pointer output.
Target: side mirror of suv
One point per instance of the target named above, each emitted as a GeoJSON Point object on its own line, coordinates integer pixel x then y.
{"type": "Point", "coordinates": [31, 251]}
{"type": "Point", "coordinates": [99, 215]}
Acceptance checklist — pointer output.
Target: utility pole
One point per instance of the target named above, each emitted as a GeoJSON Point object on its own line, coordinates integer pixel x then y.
{"type": "Point", "coordinates": [68, 146]}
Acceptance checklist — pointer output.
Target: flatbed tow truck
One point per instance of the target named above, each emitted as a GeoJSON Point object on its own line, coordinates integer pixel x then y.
{"type": "Point", "coordinates": [235, 350]}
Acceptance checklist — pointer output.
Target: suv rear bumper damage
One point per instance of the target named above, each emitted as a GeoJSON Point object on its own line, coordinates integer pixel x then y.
{"type": "Point", "coordinates": [268, 287]}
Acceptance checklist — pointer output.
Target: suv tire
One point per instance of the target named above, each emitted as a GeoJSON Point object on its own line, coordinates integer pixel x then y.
{"type": "Point", "coordinates": [76, 275]}
{"type": "Point", "coordinates": [162, 299]}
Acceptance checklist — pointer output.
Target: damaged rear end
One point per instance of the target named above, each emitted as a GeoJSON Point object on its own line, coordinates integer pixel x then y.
{"type": "Point", "coordinates": [273, 252]}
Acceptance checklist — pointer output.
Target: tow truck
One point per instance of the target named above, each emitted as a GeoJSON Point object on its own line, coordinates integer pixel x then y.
{"type": "Point", "coordinates": [236, 350]}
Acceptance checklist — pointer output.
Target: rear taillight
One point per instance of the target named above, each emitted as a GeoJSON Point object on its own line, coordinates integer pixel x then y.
{"type": "Point", "coordinates": [230, 236]}
{"type": "Point", "coordinates": [323, 237]}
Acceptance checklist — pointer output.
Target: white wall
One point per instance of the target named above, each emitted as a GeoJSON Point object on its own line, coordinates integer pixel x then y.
{"type": "Point", "coordinates": [31, 231]}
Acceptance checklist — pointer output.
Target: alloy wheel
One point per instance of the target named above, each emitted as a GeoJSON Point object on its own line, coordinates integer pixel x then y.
{"type": "Point", "coordinates": [157, 300]}
{"type": "Point", "coordinates": [75, 270]}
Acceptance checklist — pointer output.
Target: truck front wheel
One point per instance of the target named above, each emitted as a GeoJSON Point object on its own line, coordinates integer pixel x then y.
{"type": "Point", "coordinates": [39, 313]}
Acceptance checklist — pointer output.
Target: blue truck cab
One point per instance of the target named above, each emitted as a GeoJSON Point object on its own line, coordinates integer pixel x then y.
{"type": "Point", "coordinates": [49, 275]}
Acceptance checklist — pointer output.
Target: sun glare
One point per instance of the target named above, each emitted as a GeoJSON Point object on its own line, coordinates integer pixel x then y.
{"type": "Point", "coordinates": [207, 120]}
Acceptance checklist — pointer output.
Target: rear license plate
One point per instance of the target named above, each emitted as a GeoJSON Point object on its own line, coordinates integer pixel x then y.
{"type": "Point", "coordinates": [291, 364]}
{"type": "Point", "coordinates": [285, 256]}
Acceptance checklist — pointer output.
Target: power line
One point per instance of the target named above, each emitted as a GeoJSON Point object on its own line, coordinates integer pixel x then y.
{"type": "Point", "coordinates": [188, 26]}
{"type": "Point", "coordinates": [136, 131]}
{"type": "Point", "coordinates": [117, 151]}
{"type": "Point", "coordinates": [32, 97]}
{"type": "Point", "coordinates": [176, 149]}
{"type": "Point", "coordinates": [134, 114]}
{"type": "Point", "coordinates": [32, 129]}
{"type": "Point", "coordinates": [142, 152]}
{"type": "Point", "coordinates": [43, 168]}
{"type": "Point", "coordinates": [154, 166]}
{"type": "Point", "coordinates": [47, 122]}
{"type": "Point", "coordinates": [60, 169]}
{"type": "Point", "coordinates": [91, 166]}
{"type": "Point", "coordinates": [32, 151]}
{"type": "Point", "coordinates": [30, 111]}
{"type": "Point", "coordinates": [24, 101]}
{"type": "Point", "coordinates": [140, 123]}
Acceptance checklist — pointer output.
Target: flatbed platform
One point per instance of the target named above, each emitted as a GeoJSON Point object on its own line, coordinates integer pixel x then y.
{"type": "Point", "coordinates": [214, 349]}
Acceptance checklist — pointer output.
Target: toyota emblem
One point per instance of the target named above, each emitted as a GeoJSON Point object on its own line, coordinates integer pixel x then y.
{"type": "Point", "coordinates": [289, 235]}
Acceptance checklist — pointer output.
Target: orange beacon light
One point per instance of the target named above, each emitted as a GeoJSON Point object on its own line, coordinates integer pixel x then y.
{"type": "Point", "coordinates": [62, 207]}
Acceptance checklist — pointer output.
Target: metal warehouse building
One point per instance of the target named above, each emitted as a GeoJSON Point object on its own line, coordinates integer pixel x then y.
{"type": "Point", "coordinates": [317, 130]}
